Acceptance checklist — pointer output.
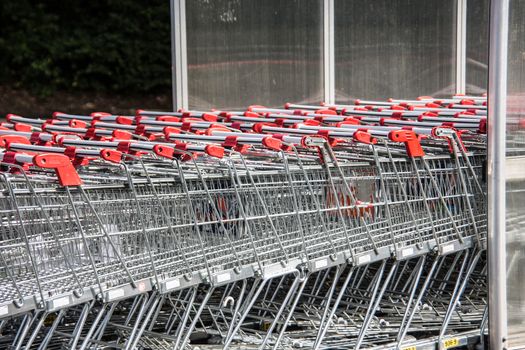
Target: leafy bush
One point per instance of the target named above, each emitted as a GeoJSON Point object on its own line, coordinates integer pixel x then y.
{"type": "Point", "coordinates": [103, 45]}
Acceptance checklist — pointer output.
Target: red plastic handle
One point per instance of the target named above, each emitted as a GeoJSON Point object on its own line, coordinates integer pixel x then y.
{"type": "Point", "coordinates": [170, 130]}
{"type": "Point", "coordinates": [5, 140]}
{"type": "Point", "coordinates": [163, 151]}
{"type": "Point", "coordinates": [168, 118]}
{"type": "Point", "coordinates": [348, 121]}
{"type": "Point", "coordinates": [250, 114]}
{"type": "Point", "coordinates": [209, 117]}
{"type": "Point", "coordinates": [22, 127]}
{"type": "Point", "coordinates": [312, 122]}
{"type": "Point", "coordinates": [66, 173]}
{"type": "Point", "coordinates": [467, 102]}
{"type": "Point", "coordinates": [214, 151]}
{"type": "Point", "coordinates": [216, 127]}
{"type": "Point", "coordinates": [272, 143]}
{"type": "Point", "coordinates": [111, 155]}
{"type": "Point", "coordinates": [124, 120]}
{"type": "Point", "coordinates": [257, 127]}
{"type": "Point", "coordinates": [411, 141]}
{"type": "Point", "coordinates": [326, 111]}
{"type": "Point", "coordinates": [75, 123]}
{"type": "Point", "coordinates": [122, 135]}
{"type": "Point", "coordinates": [364, 137]}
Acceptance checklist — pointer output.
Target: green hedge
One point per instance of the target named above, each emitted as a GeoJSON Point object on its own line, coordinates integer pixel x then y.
{"type": "Point", "coordinates": [102, 45]}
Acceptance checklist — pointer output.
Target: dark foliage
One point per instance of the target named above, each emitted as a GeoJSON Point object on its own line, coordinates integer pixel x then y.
{"type": "Point", "coordinates": [76, 45]}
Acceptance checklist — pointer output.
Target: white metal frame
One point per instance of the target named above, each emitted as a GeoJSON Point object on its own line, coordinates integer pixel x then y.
{"type": "Point", "coordinates": [461, 46]}
{"type": "Point", "coordinates": [329, 50]}
{"type": "Point", "coordinates": [497, 108]}
{"type": "Point", "coordinates": [179, 69]}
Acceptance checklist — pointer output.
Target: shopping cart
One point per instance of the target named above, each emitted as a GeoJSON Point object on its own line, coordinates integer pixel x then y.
{"type": "Point", "coordinates": [308, 226]}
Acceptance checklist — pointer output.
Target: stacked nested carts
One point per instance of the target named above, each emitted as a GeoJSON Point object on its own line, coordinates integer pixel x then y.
{"type": "Point", "coordinates": [359, 226]}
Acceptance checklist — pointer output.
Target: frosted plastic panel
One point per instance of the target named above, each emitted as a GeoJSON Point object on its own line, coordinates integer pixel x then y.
{"type": "Point", "coordinates": [402, 48]}
{"type": "Point", "coordinates": [477, 46]}
{"type": "Point", "coordinates": [242, 52]}
{"type": "Point", "coordinates": [516, 176]}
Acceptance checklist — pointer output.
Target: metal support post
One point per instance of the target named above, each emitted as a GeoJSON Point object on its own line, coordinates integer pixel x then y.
{"type": "Point", "coordinates": [329, 51]}
{"type": "Point", "coordinates": [179, 66]}
{"type": "Point", "coordinates": [497, 108]}
{"type": "Point", "coordinates": [461, 46]}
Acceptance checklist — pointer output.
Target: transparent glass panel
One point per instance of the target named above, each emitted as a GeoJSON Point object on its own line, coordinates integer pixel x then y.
{"type": "Point", "coordinates": [402, 48]}
{"type": "Point", "coordinates": [242, 52]}
{"type": "Point", "coordinates": [516, 176]}
{"type": "Point", "coordinates": [477, 46]}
